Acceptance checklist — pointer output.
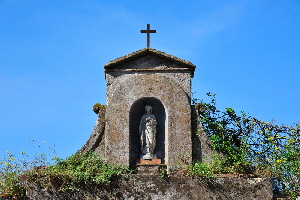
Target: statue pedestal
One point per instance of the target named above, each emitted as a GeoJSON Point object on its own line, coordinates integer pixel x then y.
{"type": "Point", "coordinates": [150, 162]}
{"type": "Point", "coordinates": [149, 167]}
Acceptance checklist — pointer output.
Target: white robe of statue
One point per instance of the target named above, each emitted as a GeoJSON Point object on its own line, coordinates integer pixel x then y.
{"type": "Point", "coordinates": [148, 134]}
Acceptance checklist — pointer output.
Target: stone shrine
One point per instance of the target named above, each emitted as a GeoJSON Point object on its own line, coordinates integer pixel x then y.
{"type": "Point", "coordinates": [148, 123]}
{"type": "Point", "coordinates": [148, 88]}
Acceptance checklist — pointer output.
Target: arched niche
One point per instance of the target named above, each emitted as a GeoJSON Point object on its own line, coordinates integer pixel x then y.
{"type": "Point", "coordinates": [137, 110]}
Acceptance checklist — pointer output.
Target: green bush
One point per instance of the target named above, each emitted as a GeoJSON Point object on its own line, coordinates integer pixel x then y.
{"type": "Point", "coordinates": [86, 168]}
{"type": "Point", "coordinates": [71, 173]}
{"type": "Point", "coordinates": [200, 170]}
{"type": "Point", "coordinates": [248, 145]}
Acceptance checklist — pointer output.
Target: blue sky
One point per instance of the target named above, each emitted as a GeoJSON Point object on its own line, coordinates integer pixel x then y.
{"type": "Point", "coordinates": [52, 55]}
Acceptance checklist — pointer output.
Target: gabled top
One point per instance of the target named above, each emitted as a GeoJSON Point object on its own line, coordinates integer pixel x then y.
{"type": "Point", "coordinates": [147, 51]}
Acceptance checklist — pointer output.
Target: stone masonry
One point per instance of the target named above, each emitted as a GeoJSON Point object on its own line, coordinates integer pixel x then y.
{"type": "Point", "coordinates": [156, 188]}
{"type": "Point", "coordinates": [153, 78]}
{"type": "Point", "coordinates": [163, 81]}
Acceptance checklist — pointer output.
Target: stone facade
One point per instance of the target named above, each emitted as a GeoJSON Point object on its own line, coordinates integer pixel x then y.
{"type": "Point", "coordinates": [149, 77]}
{"type": "Point", "coordinates": [154, 187]}
{"type": "Point", "coordinates": [96, 141]}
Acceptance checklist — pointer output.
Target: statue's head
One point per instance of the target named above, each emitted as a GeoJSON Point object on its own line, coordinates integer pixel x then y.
{"type": "Point", "coordinates": [148, 109]}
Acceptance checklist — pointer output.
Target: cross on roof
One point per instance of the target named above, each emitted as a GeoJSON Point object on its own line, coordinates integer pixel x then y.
{"type": "Point", "coordinates": [148, 31]}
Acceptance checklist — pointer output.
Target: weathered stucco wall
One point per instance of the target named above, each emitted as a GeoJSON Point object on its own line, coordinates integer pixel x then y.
{"type": "Point", "coordinates": [148, 77]}
{"type": "Point", "coordinates": [148, 62]}
{"type": "Point", "coordinates": [201, 146]}
{"type": "Point", "coordinates": [177, 109]}
{"type": "Point", "coordinates": [95, 143]}
{"type": "Point", "coordinates": [139, 187]}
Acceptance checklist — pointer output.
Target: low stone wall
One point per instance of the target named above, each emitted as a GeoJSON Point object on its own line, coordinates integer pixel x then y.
{"type": "Point", "coordinates": [137, 187]}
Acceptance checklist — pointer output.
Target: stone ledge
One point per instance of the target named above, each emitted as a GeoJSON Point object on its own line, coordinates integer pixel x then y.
{"type": "Point", "coordinates": [169, 188]}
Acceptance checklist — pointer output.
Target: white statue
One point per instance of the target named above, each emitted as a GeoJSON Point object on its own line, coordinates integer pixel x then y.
{"type": "Point", "coordinates": [148, 134]}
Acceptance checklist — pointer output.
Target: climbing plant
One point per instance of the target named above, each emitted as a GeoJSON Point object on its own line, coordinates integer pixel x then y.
{"type": "Point", "coordinates": [249, 145]}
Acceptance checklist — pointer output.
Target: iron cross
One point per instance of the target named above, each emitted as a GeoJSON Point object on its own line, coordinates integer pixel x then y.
{"type": "Point", "coordinates": [148, 31]}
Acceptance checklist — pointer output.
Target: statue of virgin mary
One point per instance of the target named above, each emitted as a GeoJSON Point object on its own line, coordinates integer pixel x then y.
{"type": "Point", "coordinates": [148, 134]}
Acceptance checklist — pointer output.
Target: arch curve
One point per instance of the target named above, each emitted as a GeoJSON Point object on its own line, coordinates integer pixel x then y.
{"type": "Point", "coordinates": [136, 112]}
{"type": "Point", "coordinates": [130, 95]}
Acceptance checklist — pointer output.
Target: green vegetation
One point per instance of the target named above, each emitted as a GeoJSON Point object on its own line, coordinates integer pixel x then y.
{"type": "Point", "coordinates": [243, 145]}
{"type": "Point", "coordinates": [66, 174]}
{"type": "Point", "coordinates": [97, 107]}
{"type": "Point", "coordinates": [10, 181]}
{"type": "Point", "coordinates": [13, 171]}
{"type": "Point", "coordinates": [248, 145]}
